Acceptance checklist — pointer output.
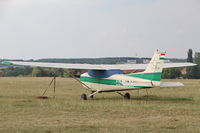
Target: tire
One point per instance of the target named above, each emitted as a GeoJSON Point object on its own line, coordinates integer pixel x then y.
{"type": "Point", "coordinates": [127, 96]}
{"type": "Point", "coordinates": [83, 96]}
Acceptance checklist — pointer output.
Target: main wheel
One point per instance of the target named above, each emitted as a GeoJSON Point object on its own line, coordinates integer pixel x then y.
{"type": "Point", "coordinates": [127, 96]}
{"type": "Point", "coordinates": [83, 96]}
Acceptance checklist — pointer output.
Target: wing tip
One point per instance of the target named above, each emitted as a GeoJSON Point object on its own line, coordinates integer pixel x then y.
{"type": "Point", "coordinates": [6, 63]}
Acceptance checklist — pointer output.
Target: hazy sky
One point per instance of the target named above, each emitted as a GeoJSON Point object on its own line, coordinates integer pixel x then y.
{"type": "Point", "coordinates": [33, 29]}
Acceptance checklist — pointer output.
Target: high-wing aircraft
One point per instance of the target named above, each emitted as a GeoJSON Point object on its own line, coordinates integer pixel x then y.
{"type": "Point", "coordinates": [110, 78]}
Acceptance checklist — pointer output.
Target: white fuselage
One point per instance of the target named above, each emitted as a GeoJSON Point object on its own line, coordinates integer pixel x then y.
{"type": "Point", "coordinates": [117, 82]}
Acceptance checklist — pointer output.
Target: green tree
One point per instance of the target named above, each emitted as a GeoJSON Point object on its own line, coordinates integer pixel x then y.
{"type": "Point", "coordinates": [48, 72]}
{"type": "Point", "coordinates": [59, 72]}
{"type": "Point", "coordinates": [197, 68]}
{"type": "Point", "coordinates": [171, 73]}
{"type": "Point", "coordinates": [37, 72]}
{"type": "Point", "coordinates": [66, 73]}
{"type": "Point", "coordinates": [190, 58]}
{"type": "Point", "coordinates": [194, 72]}
{"type": "Point", "coordinates": [27, 71]}
{"type": "Point", "coordinates": [197, 58]}
{"type": "Point", "coordinates": [2, 73]}
{"type": "Point", "coordinates": [190, 71]}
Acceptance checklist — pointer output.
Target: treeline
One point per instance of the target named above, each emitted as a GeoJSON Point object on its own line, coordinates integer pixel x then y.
{"type": "Point", "coordinates": [186, 73]}
{"type": "Point", "coordinates": [106, 60]}
{"type": "Point", "coordinates": [38, 72]}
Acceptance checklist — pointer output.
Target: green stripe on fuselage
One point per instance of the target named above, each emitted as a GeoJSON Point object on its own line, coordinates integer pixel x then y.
{"type": "Point", "coordinates": [149, 76]}
{"type": "Point", "coordinates": [106, 82]}
{"type": "Point", "coordinates": [98, 81]}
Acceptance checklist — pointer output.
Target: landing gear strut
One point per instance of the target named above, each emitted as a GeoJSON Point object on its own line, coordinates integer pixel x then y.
{"type": "Point", "coordinates": [92, 96]}
{"type": "Point", "coordinates": [126, 95]}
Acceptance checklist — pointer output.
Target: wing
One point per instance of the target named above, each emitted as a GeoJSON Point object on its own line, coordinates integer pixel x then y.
{"type": "Point", "coordinates": [78, 66]}
{"type": "Point", "coordinates": [93, 66]}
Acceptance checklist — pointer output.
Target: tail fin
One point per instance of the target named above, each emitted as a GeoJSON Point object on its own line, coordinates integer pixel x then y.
{"type": "Point", "coordinates": [154, 69]}
{"type": "Point", "coordinates": [156, 64]}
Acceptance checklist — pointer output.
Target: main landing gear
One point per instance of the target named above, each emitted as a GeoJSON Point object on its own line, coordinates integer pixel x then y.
{"type": "Point", "coordinates": [126, 95]}
{"type": "Point", "coordinates": [84, 96]}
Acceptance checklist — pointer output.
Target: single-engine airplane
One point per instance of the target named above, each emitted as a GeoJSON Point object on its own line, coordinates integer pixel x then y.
{"type": "Point", "coordinates": [110, 78]}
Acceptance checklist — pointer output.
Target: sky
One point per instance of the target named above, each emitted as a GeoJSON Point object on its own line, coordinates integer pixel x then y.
{"type": "Point", "coordinates": [35, 29]}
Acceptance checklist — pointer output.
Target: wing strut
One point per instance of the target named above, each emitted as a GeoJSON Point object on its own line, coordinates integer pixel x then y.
{"type": "Point", "coordinates": [79, 81]}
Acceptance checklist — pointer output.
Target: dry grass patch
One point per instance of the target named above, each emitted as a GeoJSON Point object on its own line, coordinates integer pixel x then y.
{"type": "Point", "coordinates": [164, 110]}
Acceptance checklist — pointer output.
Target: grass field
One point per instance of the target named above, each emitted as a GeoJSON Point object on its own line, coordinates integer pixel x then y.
{"type": "Point", "coordinates": [164, 110]}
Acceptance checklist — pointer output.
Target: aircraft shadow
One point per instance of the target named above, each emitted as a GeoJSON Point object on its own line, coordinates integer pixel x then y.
{"type": "Point", "coordinates": [151, 98]}
{"type": "Point", "coordinates": [159, 98]}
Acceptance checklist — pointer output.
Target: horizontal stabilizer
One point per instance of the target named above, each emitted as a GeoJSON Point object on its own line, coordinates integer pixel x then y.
{"type": "Point", "coordinates": [171, 84]}
{"type": "Point", "coordinates": [173, 65]}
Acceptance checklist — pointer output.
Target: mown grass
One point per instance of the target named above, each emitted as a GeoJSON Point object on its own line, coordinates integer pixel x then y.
{"type": "Point", "coordinates": [163, 110]}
